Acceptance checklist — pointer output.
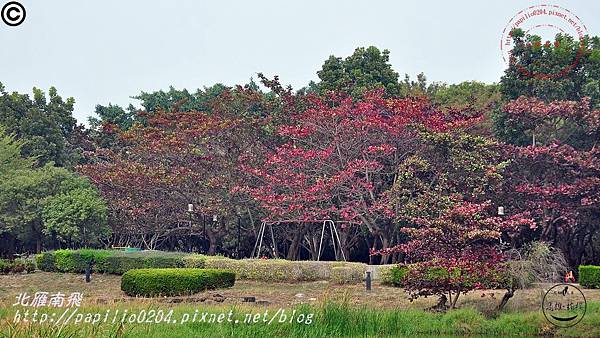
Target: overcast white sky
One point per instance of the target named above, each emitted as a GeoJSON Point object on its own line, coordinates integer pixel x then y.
{"type": "Point", "coordinates": [106, 51]}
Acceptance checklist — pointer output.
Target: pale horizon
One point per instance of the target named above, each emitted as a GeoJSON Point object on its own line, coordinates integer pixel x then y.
{"type": "Point", "coordinates": [106, 52]}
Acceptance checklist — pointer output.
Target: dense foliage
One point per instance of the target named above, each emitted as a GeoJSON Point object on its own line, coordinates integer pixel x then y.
{"type": "Point", "coordinates": [180, 158]}
{"type": "Point", "coordinates": [589, 276]}
{"type": "Point", "coordinates": [411, 172]}
{"type": "Point", "coordinates": [18, 265]}
{"type": "Point", "coordinates": [46, 205]}
{"type": "Point", "coordinates": [113, 261]}
{"type": "Point", "coordinates": [174, 282]}
{"type": "Point", "coordinates": [47, 124]}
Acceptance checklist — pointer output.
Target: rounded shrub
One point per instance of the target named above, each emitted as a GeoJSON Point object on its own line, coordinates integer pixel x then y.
{"type": "Point", "coordinates": [18, 265]}
{"type": "Point", "coordinates": [29, 265]}
{"type": "Point", "coordinates": [73, 260]}
{"type": "Point", "coordinates": [46, 261]}
{"type": "Point", "coordinates": [393, 274]}
{"type": "Point", "coordinates": [589, 276]}
{"type": "Point", "coordinates": [5, 266]}
{"type": "Point", "coordinates": [174, 281]}
{"type": "Point", "coordinates": [398, 273]}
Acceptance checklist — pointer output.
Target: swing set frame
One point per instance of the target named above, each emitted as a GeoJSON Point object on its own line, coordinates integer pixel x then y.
{"type": "Point", "coordinates": [325, 222]}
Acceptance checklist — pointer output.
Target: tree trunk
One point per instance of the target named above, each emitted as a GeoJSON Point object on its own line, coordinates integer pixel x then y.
{"type": "Point", "coordinates": [385, 242]}
{"type": "Point", "coordinates": [453, 305]}
{"type": "Point", "coordinates": [441, 305]}
{"type": "Point", "coordinates": [507, 296]}
{"type": "Point", "coordinates": [212, 240]}
{"type": "Point", "coordinates": [344, 247]}
{"type": "Point", "coordinates": [295, 245]}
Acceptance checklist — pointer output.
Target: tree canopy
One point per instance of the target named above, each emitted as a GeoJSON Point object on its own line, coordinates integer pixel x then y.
{"type": "Point", "coordinates": [46, 123]}
{"type": "Point", "coordinates": [410, 171]}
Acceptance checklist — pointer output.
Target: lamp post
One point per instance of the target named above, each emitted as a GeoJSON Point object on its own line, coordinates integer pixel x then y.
{"type": "Point", "coordinates": [239, 236]}
{"type": "Point", "coordinates": [190, 210]}
{"type": "Point", "coordinates": [501, 213]}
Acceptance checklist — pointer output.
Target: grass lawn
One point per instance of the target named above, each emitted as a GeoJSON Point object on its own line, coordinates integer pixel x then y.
{"type": "Point", "coordinates": [337, 310]}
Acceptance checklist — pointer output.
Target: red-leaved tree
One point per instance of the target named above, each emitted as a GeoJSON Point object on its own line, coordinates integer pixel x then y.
{"type": "Point", "coordinates": [557, 177]}
{"type": "Point", "coordinates": [180, 158]}
{"type": "Point", "coordinates": [339, 158]}
{"type": "Point", "coordinates": [456, 252]}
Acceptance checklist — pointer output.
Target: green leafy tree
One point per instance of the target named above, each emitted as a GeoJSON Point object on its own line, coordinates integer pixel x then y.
{"type": "Point", "coordinates": [477, 97]}
{"type": "Point", "coordinates": [479, 94]}
{"type": "Point", "coordinates": [566, 69]}
{"type": "Point", "coordinates": [366, 69]}
{"type": "Point", "coordinates": [110, 119]}
{"type": "Point", "coordinates": [10, 155]}
{"type": "Point", "coordinates": [46, 123]}
{"type": "Point", "coordinates": [78, 216]}
{"type": "Point", "coordinates": [180, 100]}
{"type": "Point", "coordinates": [420, 87]}
{"type": "Point", "coordinates": [113, 114]}
{"type": "Point", "coordinates": [25, 194]}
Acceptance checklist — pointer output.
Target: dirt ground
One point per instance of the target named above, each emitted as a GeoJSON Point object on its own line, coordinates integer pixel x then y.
{"type": "Point", "coordinates": [105, 289]}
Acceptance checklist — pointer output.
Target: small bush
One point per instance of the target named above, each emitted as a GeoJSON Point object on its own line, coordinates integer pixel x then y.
{"type": "Point", "coordinates": [393, 274]}
{"type": "Point", "coordinates": [174, 282]}
{"type": "Point", "coordinates": [383, 273]}
{"type": "Point", "coordinates": [72, 260]}
{"type": "Point", "coordinates": [589, 276]}
{"type": "Point", "coordinates": [397, 274]}
{"type": "Point", "coordinates": [46, 261]}
{"type": "Point", "coordinates": [18, 265]}
{"type": "Point", "coordinates": [29, 265]}
{"type": "Point", "coordinates": [5, 266]}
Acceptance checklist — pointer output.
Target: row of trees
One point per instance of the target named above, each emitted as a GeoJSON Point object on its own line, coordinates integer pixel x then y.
{"type": "Point", "coordinates": [45, 205]}
{"type": "Point", "coordinates": [409, 170]}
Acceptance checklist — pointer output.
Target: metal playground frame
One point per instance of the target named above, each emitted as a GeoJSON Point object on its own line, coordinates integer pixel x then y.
{"type": "Point", "coordinates": [335, 237]}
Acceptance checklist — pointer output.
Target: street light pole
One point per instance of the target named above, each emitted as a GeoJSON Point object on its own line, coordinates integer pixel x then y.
{"type": "Point", "coordinates": [190, 210]}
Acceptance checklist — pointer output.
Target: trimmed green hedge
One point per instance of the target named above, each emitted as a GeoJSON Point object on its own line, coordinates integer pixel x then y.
{"type": "Point", "coordinates": [76, 260]}
{"type": "Point", "coordinates": [589, 276]}
{"type": "Point", "coordinates": [342, 275]}
{"type": "Point", "coordinates": [16, 266]}
{"type": "Point", "coordinates": [280, 270]}
{"type": "Point", "coordinates": [112, 261]}
{"type": "Point", "coordinates": [194, 261]}
{"type": "Point", "coordinates": [46, 261]}
{"type": "Point", "coordinates": [174, 282]}
{"type": "Point", "coordinates": [120, 262]}
{"type": "Point", "coordinates": [268, 270]}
